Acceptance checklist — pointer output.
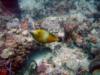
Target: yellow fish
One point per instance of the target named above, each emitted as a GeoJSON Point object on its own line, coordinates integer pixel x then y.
{"type": "Point", "coordinates": [43, 36]}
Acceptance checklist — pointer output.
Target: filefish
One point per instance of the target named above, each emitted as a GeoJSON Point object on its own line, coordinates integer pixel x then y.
{"type": "Point", "coordinates": [43, 36]}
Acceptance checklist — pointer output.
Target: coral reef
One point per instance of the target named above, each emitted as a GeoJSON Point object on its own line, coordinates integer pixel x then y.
{"type": "Point", "coordinates": [75, 50]}
{"type": "Point", "coordinates": [15, 46]}
{"type": "Point", "coordinates": [43, 8]}
{"type": "Point", "coordinates": [75, 22]}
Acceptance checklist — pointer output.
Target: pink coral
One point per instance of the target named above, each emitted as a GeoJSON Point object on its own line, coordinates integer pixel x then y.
{"type": "Point", "coordinates": [10, 41]}
{"type": "Point", "coordinates": [42, 67]}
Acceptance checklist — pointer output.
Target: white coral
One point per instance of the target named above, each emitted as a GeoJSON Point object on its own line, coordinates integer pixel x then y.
{"type": "Point", "coordinates": [6, 53]}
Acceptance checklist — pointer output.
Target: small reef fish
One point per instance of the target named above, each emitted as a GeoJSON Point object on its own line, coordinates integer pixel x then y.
{"type": "Point", "coordinates": [43, 36]}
